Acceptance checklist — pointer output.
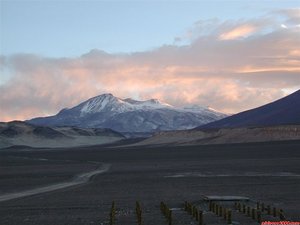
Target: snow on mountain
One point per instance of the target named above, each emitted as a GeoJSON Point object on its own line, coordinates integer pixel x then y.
{"type": "Point", "coordinates": [129, 115]}
{"type": "Point", "coordinates": [117, 105]}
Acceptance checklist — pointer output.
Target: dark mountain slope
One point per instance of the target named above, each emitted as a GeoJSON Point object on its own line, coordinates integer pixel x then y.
{"type": "Point", "coordinates": [281, 112]}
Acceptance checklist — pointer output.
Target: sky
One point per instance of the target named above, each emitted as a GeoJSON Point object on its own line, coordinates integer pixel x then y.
{"type": "Point", "coordinates": [228, 55]}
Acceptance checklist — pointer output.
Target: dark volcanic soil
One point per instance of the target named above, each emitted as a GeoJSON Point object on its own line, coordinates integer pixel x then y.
{"type": "Point", "coordinates": [267, 172]}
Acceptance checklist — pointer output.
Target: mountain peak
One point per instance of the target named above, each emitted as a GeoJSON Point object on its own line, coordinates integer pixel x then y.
{"type": "Point", "coordinates": [129, 115]}
{"type": "Point", "coordinates": [98, 103]}
{"type": "Point", "coordinates": [108, 102]}
{"type": "Point", "coordinates": [105, 95]}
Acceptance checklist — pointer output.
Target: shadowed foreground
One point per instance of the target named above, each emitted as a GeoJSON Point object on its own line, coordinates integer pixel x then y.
{"type": "Point", "coordinates": [265, 172]}
{"type": "Point", "coordinates": [77, 180]}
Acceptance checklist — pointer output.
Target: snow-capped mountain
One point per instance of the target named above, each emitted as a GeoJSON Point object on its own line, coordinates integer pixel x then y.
{"type": "Point", "coordinates": [108, 102]}
{"type": "Point", "coordinates": [130, 116]}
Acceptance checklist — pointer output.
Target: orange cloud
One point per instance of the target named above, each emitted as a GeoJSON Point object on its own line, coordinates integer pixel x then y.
{"type": "Point", "coordinates": [238, 32]}
{"type": "Point", "coordinates": [249, 69]}
{"type": "Point", "coordinates": [227, 76]}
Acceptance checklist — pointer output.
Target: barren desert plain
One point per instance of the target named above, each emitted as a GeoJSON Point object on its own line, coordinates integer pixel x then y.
{"type": "Point", "coordinates": [263, 172]}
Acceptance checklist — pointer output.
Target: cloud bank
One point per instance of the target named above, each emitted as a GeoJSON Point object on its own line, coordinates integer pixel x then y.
{"type": "Point", "coordinates": [228, 65]}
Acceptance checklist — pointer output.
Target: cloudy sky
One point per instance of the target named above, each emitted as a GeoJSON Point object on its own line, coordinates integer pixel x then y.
{"type": "Point", "coordinates": [229, 55]}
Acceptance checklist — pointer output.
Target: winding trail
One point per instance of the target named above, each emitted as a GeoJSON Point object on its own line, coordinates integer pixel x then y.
{"type": "Point", "coordinates": [77, 180]}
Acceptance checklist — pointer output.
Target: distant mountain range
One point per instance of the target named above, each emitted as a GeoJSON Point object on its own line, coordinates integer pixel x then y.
{"type": "Point", "coordinates": [285, 111]}
{"type": "Point", "coordinates": [93, 121]}
{"type": "Point", "coordinates": [130, 116]}
{"type": "Point", "coordinates": [276, 121]}
{"type": "Point", "coordinates": [20, 133]}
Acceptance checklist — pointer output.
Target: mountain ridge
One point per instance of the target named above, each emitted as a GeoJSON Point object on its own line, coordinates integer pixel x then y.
{"type": "Point", "coordinates": [129, 115]}
{"type": "Point", "coordinates": [283, 111]}
{"type": "Point", "coordinates": [21, 133]}
{"type": "Point", "coordinates": [275, 121]}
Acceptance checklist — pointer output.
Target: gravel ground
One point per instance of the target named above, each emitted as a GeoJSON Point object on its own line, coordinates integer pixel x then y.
{"type": "Point", "coordinates": [267, 172]}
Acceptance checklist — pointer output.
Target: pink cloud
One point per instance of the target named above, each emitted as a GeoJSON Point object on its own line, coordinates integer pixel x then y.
{"type": "Point", "coordinates": [229, 76]}
{"type": "Point", "coordinates": [238, 32]}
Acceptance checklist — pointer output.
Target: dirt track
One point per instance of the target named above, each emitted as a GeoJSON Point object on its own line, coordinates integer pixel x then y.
{"type": "Point", "coordinates": [77, 180]}
{"type": "Point", "coordinates": [266, 172]}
